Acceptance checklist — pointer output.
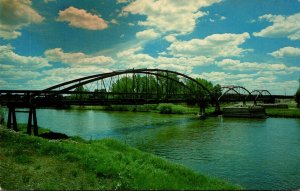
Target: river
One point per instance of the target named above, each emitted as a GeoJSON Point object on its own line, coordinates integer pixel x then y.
{"type": "Point", "coordinates": [255, 153]}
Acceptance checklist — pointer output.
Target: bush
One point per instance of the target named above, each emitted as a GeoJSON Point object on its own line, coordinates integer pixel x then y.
{"type": "Point", "coordinates": [165, 108]}
{"type": "Point", "coordinates": [297, 97]}
{"type": "Point", "coordinates": [168, 108]}
{"type": "Point", "coordinates": [1, 116]}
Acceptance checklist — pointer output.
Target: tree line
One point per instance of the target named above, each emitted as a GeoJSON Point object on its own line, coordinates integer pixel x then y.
{"type": "Point", "coordinates": [162, 86]}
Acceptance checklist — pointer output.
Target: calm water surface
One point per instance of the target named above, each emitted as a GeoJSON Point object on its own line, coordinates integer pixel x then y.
{"type": "Point", "coordinates": [257, 154]}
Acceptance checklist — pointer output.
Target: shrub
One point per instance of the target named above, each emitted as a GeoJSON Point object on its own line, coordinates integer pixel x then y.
{"type": "Point", "coordinates": [297, 97]}
{"type": "Point", "coordinates": [165, 108]}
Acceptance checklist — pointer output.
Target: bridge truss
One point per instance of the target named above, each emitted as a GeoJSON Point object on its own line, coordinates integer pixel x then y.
{"type": "Point", "coordinates": [129, 87]}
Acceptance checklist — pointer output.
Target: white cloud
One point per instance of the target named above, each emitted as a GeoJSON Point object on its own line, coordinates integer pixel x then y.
{"type": "Point", "coordinates": [2, 83]}
{"type": "Point", "coordinates": [222, 18]}
{"type": "Point", "coordinates": [229, 64]}
{"type": "Point", "coordinates": [15, 15]}
{"type": "Point", "coordinates": [76, 58]}
{"type": "Point", "coordinates": [58, 75]}
{"type": "Point", "coordinates": [170, 38]}
{"type": "Point", "coordinates": [48, 1]}
{"type": "Point", "coordinates": [19, 74]}
{"type": "Point", "coordinates": [114, 21]}
{"type": "Point", "coordinates": [169, 15]}
{"type": "Point", "coordinates": [262, 68]}
{"type": "Point", "coordinates": [80, 18]}
{"type": "Point", "coordinates": [133, 58]}
{"type": "Point", "coordinates": [251, 81]}
{"type": "Point", "coordinates": [149, 34]}
{"type": "Point", "coordinates": [216, 45]}
{"type": "Point", "coordinates": [286, 52]}
{"type": "Point", "coordinates": [122, 1]}
{"type": "Point", "coordinates": [7, 55]}
{"type": "Point", "coordinates": [283, 26]}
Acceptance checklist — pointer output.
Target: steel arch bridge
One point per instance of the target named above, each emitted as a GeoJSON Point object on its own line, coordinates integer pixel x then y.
{"type": "Point", "coordinates": [129, 87]}
{"type": "Point", "coordinates": [262, 95]}
{"type": "Point", "coordinates": [234, 93]}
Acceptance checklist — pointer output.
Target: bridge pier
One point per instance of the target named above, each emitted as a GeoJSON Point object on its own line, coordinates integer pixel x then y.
{"type": "Point", "coordinates": [32, 117]}
{"type": "Point", "coordinates": [12, 119]}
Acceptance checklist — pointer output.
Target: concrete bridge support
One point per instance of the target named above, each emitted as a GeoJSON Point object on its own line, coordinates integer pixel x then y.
{"type": "Point", "coordinates": [12, 119]}
{"type": "Point", "coordinates": [32, 117]}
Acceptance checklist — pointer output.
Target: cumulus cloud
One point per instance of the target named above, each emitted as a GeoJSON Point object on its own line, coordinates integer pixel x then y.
{"type": "Point", "coordinates": [48, 1]}
{"type": "Point", "coordinates": [251, 81]}
{"type": "Point", "coordinates": [16, 14]}
{"type": "Point", "coordinates": [169, 15]}
{"type": "Point", "coordinates": [80, 18]}
{"type": "Point", "coordinates": [286, 52]}
{"type": "Point", "coordinates": [76, 58]}
{"type": "Point", "coordinates": [262, 68]}
{"type": "Point", "coordinates": [122, 1]}
{"type": "Point", "coordinates": [14, 67]}
{"type": "Point", "coordinates": [7, 55]}
{"type": "Point", "coordinates": [170, 38]}
{"type": "Point", "coordinates": [283, 26]}
{"type": "Point", "coordinates": [216, 45]}
{"type": "Point", "coordinates": [134, 58]}
{"type": "Point", "coordinates": [149, 34]}
{"type": "Point", "coordinates": [229, 64]}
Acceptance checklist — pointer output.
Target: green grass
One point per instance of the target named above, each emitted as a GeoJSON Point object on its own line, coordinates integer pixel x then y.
{"type": "Point", "coordinates": [29, 162]}
{"type": "Point", "coordinates": [163, 108]}
{"type": "Point", "coordinates": [291, 112]}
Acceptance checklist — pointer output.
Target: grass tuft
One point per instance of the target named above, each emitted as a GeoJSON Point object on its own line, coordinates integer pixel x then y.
{"type": "Point", "coordinates": [103, 164]}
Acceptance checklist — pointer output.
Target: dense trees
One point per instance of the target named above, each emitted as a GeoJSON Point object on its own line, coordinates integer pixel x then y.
{"type": "Point", "coordinates": [163, 86]}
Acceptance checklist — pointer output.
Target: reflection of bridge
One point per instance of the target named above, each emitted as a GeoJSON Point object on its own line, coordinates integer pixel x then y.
{"type": "Point", "coordinates": [127, 87]}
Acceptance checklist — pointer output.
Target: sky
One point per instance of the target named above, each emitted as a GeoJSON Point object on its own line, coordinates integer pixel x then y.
{"type": "Point", "coordinates": [251, 43]}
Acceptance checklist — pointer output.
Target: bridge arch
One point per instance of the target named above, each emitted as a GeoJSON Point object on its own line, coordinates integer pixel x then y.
{"type": "Point", "coordinates": [72, 84]}
{"type": "Point", "coordinates": [234, 89]}
{"type": "Point", "coordinates": [260, 93]}
{"type": "Point", "coordinates": [85, 80]}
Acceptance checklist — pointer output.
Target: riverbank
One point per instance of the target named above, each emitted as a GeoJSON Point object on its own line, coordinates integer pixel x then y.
{"type": "Point", "coordinates": [29, 162]}
{"type": "Point", "coordinates": [291, 112]}
{"type": "Point", "coordinates": [286, 113]}
{"type": "Point", "coordinates": [163, 108]}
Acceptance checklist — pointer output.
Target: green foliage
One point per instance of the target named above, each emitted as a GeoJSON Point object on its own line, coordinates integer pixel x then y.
{"type": "Point", "coordinates": [1, 116]}
{"type": "Point", "coordinates": [297, 96]}
{"type": "Point", "coordinates": [165, 108]}
{"type": "Point", "coordinates": [29, 163]}
{"type": "Point", "coordinates": [160, 86]}
{"type": "Point", "coordinates": [169, 108]}
{"type": "Point", "coordinates": [293, 112]}
{"type": "Point", "coordinates": [134, 108]}
{"type": "Point", "coordinates": [79, 95]}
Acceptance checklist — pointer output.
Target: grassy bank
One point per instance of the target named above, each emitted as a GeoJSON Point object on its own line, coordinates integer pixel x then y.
{"type": "Point", "coordinates": [163, 108]}
{"type": "Point", "coordinates": [289, 113]}
{"type": "Point", "coordinates": [29, 162]}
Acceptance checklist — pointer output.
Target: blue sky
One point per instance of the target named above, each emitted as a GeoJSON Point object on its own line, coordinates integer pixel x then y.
{"type": "Point", "coordinates": [253, 43]}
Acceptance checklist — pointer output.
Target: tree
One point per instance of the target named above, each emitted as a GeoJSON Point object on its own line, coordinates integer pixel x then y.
{"type": "Point", "coordinates": [297, 96]}
{"type": "Point", "coordinates": [80, 95]}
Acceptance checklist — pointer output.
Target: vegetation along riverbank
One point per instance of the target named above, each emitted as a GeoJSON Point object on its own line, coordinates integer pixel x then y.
{"type": "Point", "coordinates": [29, 162]}
{"type": "Point", "coordinates": [291, 112]}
